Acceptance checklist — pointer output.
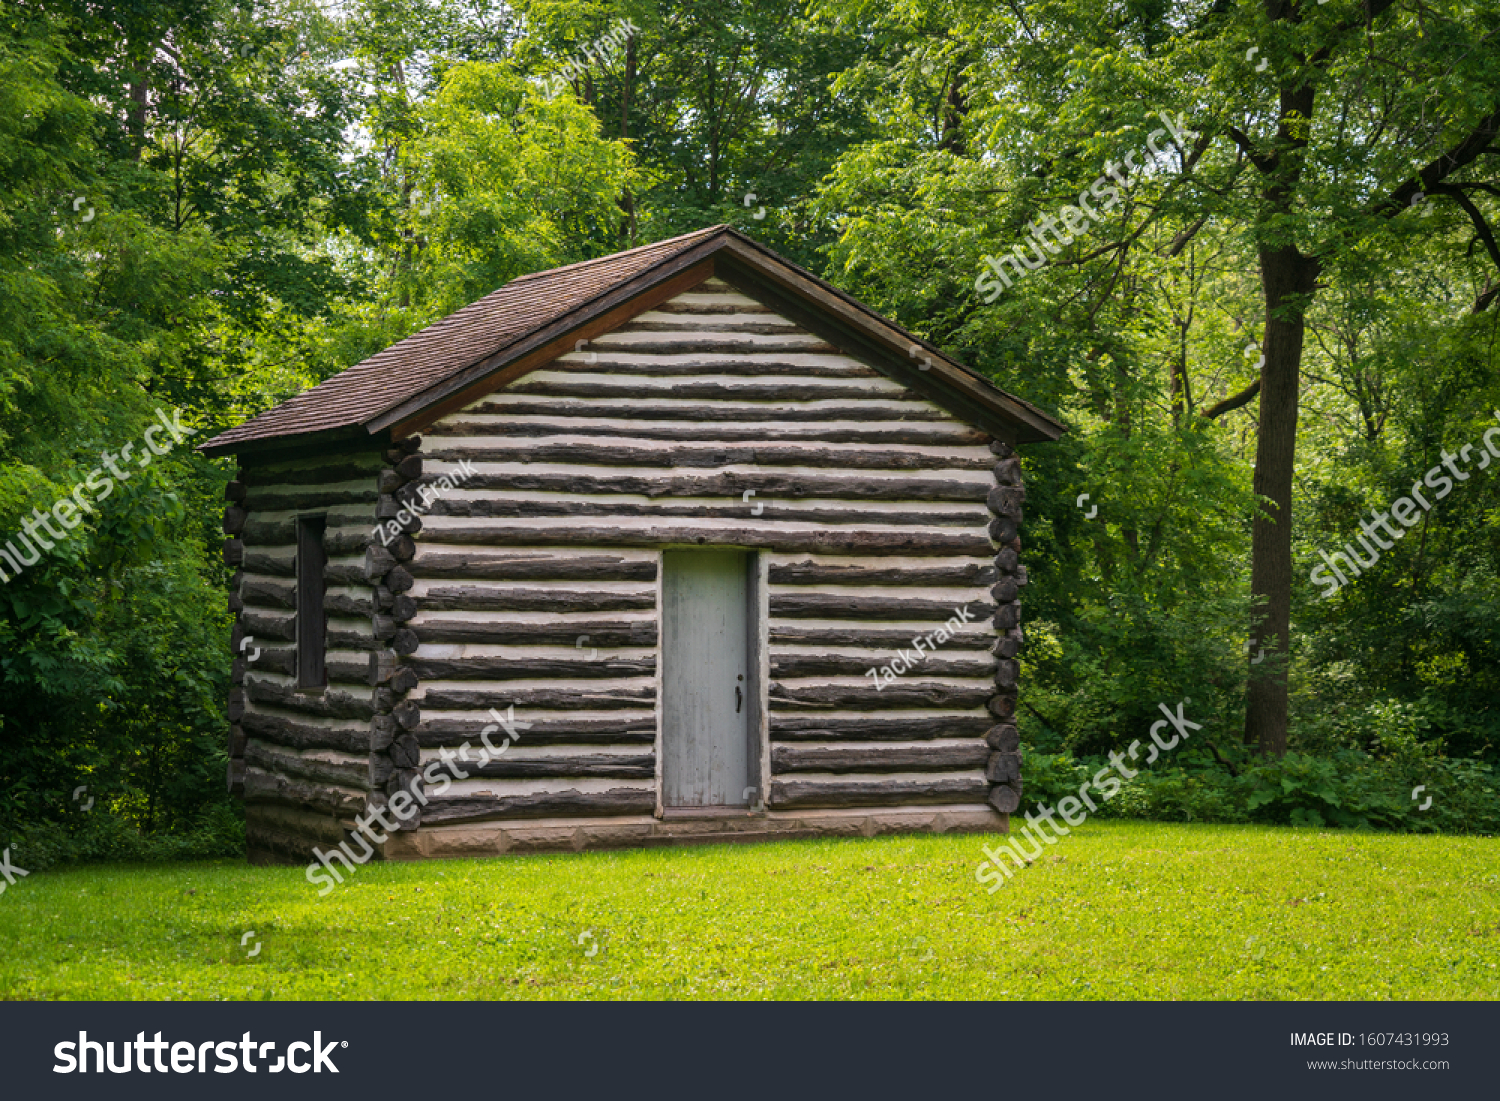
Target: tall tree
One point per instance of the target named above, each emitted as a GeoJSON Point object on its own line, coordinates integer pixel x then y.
{"type": "Point", "coordinates": [1305, 133]}
{"type": "Point", "coordinates": [1353, 96]}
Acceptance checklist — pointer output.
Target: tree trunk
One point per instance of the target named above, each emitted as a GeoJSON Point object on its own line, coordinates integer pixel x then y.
{"type": "Point", "coordinates": [1288, 279]}
{"type": "Point", "coordinates": [627, 201]}
{"type": "Point", "coordinates": [139, 94]}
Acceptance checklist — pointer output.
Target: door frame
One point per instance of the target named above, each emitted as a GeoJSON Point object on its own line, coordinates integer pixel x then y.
{"type": "Point", "coordinates": [757, 724]}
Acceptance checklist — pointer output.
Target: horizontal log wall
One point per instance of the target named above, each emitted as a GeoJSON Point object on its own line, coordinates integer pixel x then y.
{"type": "Point", "coordinates": [707, 421]}
{"type": "Point", "coordinates": [300, 758]}
{"type": "Point", "coordinates": [568, 638]}
{"type": "Point", "coordinates": [913, 733]}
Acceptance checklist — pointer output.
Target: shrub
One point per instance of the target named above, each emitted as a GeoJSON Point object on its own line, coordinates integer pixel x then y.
{"type": "Point", "coordinates": [1347, 788]}
{"type": "Point", "coordinates": [1048, 777]}
{"type": "Point", "coordinates": [105, 838]}
{"type": "Point", "coordinates": [1178, 794]}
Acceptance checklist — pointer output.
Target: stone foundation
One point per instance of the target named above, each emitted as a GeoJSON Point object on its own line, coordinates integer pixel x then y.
{"type": "Point", "coordinates": [517, 837]}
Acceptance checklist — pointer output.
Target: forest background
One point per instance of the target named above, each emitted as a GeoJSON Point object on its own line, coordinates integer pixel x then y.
{"type": "Point", "coordinates": [1282, 323]}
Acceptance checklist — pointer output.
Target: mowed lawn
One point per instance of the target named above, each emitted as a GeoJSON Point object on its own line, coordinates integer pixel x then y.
{"type": "Point", "coordinates": [1113, 911]}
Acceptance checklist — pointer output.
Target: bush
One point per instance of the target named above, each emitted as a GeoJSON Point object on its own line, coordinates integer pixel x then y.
{"type": "Point", "coordinates": [1348, 788]}
{"type": "Point", "coordinates": [1048, 777]}
{"type": "Point", "coordinates": [101, 838]}
{"type": "Point", "coordinates": [1178, 794]}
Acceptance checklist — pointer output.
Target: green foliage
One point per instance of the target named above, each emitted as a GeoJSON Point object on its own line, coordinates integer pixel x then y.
{"type": "Point", "coordinates": [1049, 777]}
{"type": "Point", "coordinates": [99, 837]}
{"type": "Point", "coordinates": [511, 182]}
{"type": "Point", "coordinates": [112, 657]}
{"type": "Point", "coordinates": [1143, 332]}
{"type": "Point", "coordinates": [1347, 788]}
{"type": "Point", "coordinates": [209, 206]}
{"type": "Point", "coordinates": [1176, 794]}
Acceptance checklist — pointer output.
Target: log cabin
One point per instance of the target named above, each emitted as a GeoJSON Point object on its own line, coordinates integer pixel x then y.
{"type": "Point", "coordinates": [729, 556]}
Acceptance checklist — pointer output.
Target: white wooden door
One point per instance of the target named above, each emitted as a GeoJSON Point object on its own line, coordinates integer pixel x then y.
{"type": "Point", "coordinates": [707, 683]}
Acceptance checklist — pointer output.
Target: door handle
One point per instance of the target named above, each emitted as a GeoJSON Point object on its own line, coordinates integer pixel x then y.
{"type": "Point", "coordinates": [739, 699]}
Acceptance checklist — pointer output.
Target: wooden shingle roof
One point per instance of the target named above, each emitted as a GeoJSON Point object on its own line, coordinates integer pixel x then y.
{"type": "Point", "coordinates": [535, 317]}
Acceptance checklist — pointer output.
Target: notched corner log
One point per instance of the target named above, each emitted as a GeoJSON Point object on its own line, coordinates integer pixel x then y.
{"type": "Point", "coordinates": [1002, 705]}
{"type": "Point", "coordinates": [399, 579]}
{"type": "Point", "coordinates": [234, 777]}
{"type": "Point", "coordinates": [234, 520]}
{"type": "Point", "coordinates": [1006, 502]}
{"type": "Point", "coordinates": [381, 769]}
{"type": "Point", "coordinates": [382, 733]}
{"type": "Point", "coordinates": [378, 562]}
{"type": "Point", "coordinates": [1004, 738]}
{"type": "Point", "coordinates": [405, 753]}
{"type": "Point", "coordinates": [404, 679]}
{"type": "Point", "coordinates": [383, 666]}
{"type": "Point", "coordinates": [1008, 645]}
{"type": "Point", "coordinates": [1008, 472]}
{"type": "Point", "coordinates": [396, 510]}
{"type": "Point", "coordinates": [1006, 798]}
{"type": "Point", "coordinates": [234, 552]}
{"type": "Point", "coordinates": [1003, 768]}
{"type": "Point", "coordinates": [1002, 449]}
{"type": "Point", "coordinates": [408, 780]}
{"type": "Point", "coordinates": [407, 714]}
{"type": "Point", "coordinates": [1006, 674]}
{"type": "Point", "coordinates": [1003, 529]}
{"type": "Point", "coordinates": [234, 491]}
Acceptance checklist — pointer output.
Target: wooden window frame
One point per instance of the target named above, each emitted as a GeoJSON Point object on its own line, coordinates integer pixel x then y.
{"type": "Point", "coordinates": [311, 619]}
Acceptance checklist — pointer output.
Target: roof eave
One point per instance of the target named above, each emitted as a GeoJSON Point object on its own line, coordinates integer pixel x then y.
{"type": "Point", "coordinates": [301, 442]}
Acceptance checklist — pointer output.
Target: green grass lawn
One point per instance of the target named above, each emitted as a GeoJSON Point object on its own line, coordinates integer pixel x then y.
{"type": "Point", "coordinates": [1116, 910]}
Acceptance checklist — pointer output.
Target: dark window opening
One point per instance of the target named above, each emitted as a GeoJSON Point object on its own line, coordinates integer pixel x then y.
{"type": "Point", "coordinates": [312, 621]}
